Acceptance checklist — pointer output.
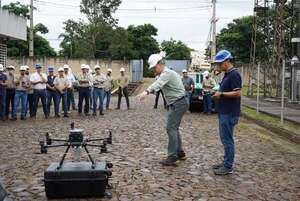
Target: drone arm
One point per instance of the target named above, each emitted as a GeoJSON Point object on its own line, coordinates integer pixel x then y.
{"type": "Point", "coordinates": [56, 145]}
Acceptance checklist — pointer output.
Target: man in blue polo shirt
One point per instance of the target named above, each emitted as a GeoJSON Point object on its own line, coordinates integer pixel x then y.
{"type": "Point", "coordinates": [228, 107]}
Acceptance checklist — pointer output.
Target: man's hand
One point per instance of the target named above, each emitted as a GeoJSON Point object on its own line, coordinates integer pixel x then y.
{"type": "Point", "coordinates": [217, 95]}
{"type": "Point", "coordinates": [142, 95]}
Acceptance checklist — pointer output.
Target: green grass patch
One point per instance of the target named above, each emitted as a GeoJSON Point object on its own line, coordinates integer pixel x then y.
{"type": "Point", "coordinates": [273, 121]}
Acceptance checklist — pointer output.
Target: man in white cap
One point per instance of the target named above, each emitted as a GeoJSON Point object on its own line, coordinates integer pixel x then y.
{"type": "Point", "coordinates": [39, 83]}
{"type": "Point", "coordinates": [84, 88]}
{"type": "Point", "coordinates": [3, 84]}
{"type": "Point", "coordinates": [10, 90]}
{"type": "Point", "coordinates": [208, 84]}
{"type": "Point", "coordinates": [122, 83]}
{"type": "Point", "coordinates": [170, 83]}
{"type": "Point", "coordinates": [98, 92]}
{"type": "Point", "coordinates": [70, 90]}
{"type": "Point", "coordinates": [108, 87]}
{"type": "Point", "coordinates": [22, 83]}
{"type": "Point", "coordinates": [61, 84]}
{"type": "Point", "coordinates": [188, 84]}
{"type": "Point", "coordinates": [30, 96]}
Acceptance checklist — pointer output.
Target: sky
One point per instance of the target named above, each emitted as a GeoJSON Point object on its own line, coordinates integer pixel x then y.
{"type": "Point", "coordinates": [185, 20]}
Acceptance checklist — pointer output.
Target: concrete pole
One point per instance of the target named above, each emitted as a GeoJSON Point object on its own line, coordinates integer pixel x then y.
{"type": "Point", "coordinates": [257, 89]}
{"type": "Point", "coordinates": [214, 37]}
{"type": "Point", "coordinates": [282, 92]}
{"type": "Point", "coordinates": [31, 46]}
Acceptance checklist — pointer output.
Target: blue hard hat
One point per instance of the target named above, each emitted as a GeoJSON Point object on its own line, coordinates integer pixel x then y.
{"type": "Point", "coordinates": [222, 55]}
{"type": "Point", "coordinates": [38, 65]}
{"type": "Point", "coordinates": [50, 69]}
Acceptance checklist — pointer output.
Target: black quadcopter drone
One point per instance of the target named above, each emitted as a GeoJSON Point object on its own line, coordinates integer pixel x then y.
{"type": "Point", "coordinates": [76, 140]}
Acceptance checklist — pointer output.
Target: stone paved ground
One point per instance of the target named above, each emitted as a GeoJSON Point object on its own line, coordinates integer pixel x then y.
{"type": "Point", "coordinates": [267, 168]}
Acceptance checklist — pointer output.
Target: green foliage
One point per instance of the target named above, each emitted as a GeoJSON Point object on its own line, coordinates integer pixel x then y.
{"type": "Point", "coordinates": [100, 10]}
{"type": "Point", "coordinates": [18, 9]}
{"type": "Point", "coordinates": [176, 50]}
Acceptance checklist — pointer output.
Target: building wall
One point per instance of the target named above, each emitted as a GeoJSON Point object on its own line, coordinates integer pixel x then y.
{"type": "Point", "coordinates": [12, 26]}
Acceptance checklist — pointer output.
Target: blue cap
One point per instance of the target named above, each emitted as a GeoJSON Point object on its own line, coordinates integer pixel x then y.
{"type": "Point", "coordinates": [222, 56]}
{"type": "Point", "coordinates": [50, 69]}
{"type": "Point", "coordinates": [38, 66]}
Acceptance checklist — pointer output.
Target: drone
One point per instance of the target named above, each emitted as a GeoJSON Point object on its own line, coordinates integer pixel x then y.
{"type": "Point", "coordinates": [76, 141]}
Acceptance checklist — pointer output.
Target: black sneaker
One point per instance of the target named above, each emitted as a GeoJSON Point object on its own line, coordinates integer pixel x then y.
{"type": "Point", "coordinates": [66, 115]}
{"type": "Point", "coordinates": [181, 155]}
{"type": "Point", "coordinates": [223, 171]}
{"type": "Point", "coordinates": [14, 119]}
{"type": "Point", "coordinates": [57, 116]}
{"type": "Point", "coordinates": [170, 161]}
{"type": "Point", "coordinates": [23, 118]}
{"type": "Point", "coordinates": [101, 113]}
{"type": "Point", "coordinates": [94, 114]}
{"type": "Point", "coordinates": [217, 166]}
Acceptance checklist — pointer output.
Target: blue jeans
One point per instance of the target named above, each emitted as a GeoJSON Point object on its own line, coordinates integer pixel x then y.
{"type": "Point", "coordinates": [207, 103]}
{"type": "Point", "coordinates": [40, 94]}
{"type": "Point", "coordinates": [226, 129]}
{"type": "Point", "coordinates": [52, 95]}
{"type": "Point", "coordinates": [84, 94]}
{"type": "Point", "coordinates": [20, 95]}
{"type": "Point", "coordinates": [189, 96]}
{"type": "Point", "coordinates": [107, 95]}
{"type": "Point", "coordinates": [2, 103]}
{"type": "Point", "coordinates": [30, 104]}
{"type": "Point", "coordinates": [62, 97]}
{"type": "Point", "coordinates": [175, 114]}
{"type": "Point", "coordinates": [70, 99]}
{"type": "Point", "coordinates": [98, 93]}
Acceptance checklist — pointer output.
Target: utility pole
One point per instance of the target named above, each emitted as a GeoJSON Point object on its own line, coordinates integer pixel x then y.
{"type": "Point", "coordinates": [213, 25]}
{"type": "Point", "coordinates": [31, 47]}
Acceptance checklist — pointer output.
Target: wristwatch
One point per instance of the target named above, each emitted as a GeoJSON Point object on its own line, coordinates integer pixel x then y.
{"type": "Point", "coordinates": [222, 94]}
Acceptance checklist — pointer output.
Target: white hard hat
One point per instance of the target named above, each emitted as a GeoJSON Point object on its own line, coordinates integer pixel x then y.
{"type": "Point", "coordinates": [27, 67]}
{"type": "Point", "coordinates": [23, 68]}
{"type": "Point", "coordinates": [60, 69]}
{"type": "Point", "coordinates": [11, 67]}
{"type": "Point", "coordinates": [109, 70]}
{"type": "Point", "coordinates": [66, 66]}
{"type": "Point", "coordinates": [155, 58]}
{"type": "Point", "coordinates": [1, 67]}
{"type": "Point", "coordinates": [97, 67]}
{"type": "Point", "coordinates": [205, 73]}
{"type": "Point", "coordinates": [184, 71]}
{"type": "Point", "coordinates": [122, 69]}
{"type": "Point", "coordinates": [83, 66]}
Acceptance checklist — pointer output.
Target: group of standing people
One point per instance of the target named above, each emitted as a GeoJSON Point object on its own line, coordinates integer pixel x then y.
{"type": "Point", "coordinates": [28, 89]}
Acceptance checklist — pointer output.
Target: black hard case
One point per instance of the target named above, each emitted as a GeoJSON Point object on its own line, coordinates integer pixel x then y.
{"type": "Point", "coordinates": [76, 180]}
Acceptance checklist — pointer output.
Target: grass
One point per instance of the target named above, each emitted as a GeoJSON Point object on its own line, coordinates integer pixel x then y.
{"type": "Point", "coordinates": [273, 121]}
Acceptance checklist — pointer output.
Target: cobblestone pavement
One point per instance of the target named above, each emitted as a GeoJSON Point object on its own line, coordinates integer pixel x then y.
{"type": "Point", "coordinates": [266, 168]}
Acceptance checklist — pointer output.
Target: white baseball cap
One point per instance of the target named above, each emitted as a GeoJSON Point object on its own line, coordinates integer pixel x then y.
{"type": "Point", "coordinates": [66, 66]}
{"type": "Point", "coordinates": [11, 67]}
{"type": "Point", "coordinates": [97, 67]}
{"type": "Point", "coordinates": [122, 69]}
{"type": "Point", "coordinates": [23, 68]}
{"type": "Point", "coordinates": [155, 58]}
{"type": "Point", "coordinates": [60, 69]}
{"type": "Point", "coordinates": [83, 66]}
{"type": "Point", "coordinates": [27, 67]}
{"type": "Point", "coordinates": [1, 67]}
{"type": "Point", "coordinates": [184, 71]}
{"type": "Point", "coordinates": [109, 70]}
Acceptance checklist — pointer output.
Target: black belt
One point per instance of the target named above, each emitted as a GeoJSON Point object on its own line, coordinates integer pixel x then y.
{"type": "Point", "coordinates": [179, 99]}
{"type": "Point", "coordinates": [99, 87]}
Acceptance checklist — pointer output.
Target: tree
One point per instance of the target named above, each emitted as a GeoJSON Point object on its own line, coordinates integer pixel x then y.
{"type": "Point", "coordinates": [120, 46]}
{"type": "Point", "coordinates": [18, 9]}
{"type": "Point", "coordinates": [143, 43]}
{"type": "Point", "coordinates": [100, 10]}
{"type": "Point", "coordinates": [176, 50]}
{"type": "Point", "coordinates": [21, 48]}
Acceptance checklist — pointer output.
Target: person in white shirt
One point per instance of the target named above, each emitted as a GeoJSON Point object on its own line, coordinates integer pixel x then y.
{"type": "Point", "coordinates": [98, 92]}
{"type": "Point", "coordinates": [61, 84]}
{"type": "Point", "coordinates": [108, 87]}
{"type": "Point", "coordinates": [70, 91]}
{"type": "Point", "coordinates": [39, 84]}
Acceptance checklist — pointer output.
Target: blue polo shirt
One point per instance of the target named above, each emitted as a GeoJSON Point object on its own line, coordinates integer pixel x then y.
{"type": "Point", "coordinates": [231, 81]}
{"type": "Point", "coordinates": [3, 77]}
